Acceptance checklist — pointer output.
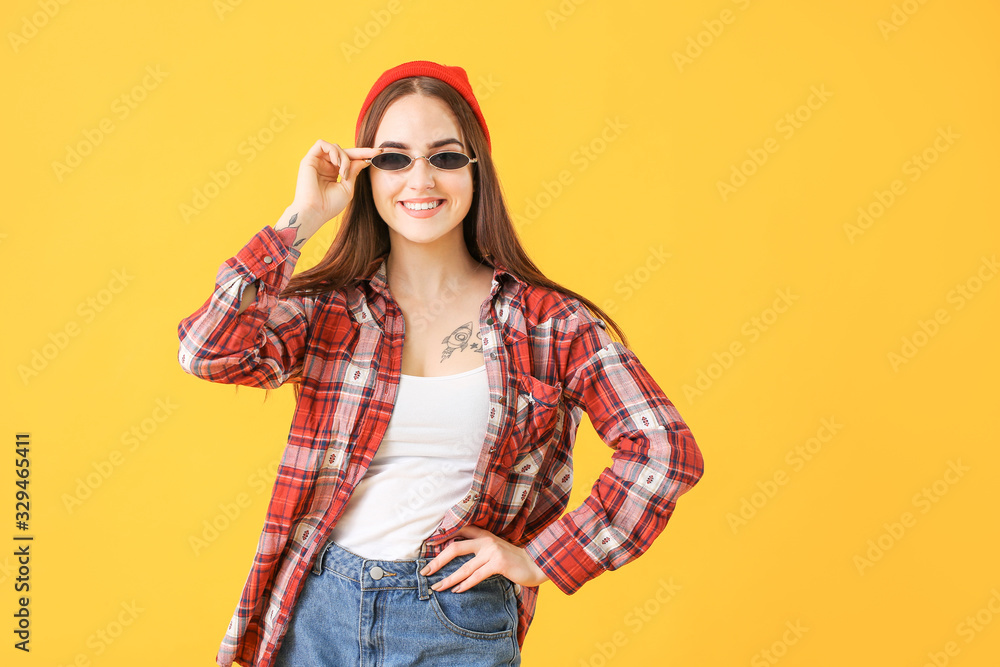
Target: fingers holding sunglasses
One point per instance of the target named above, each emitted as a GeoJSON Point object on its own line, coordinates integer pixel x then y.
{"type": "Point", "coordinates": [355, 161]}
{"type": "Point", "coordinates": [331, 160]}
{"type": "Point", "coordinates": [318, 189]}
{"type": "Point", "coordinates": [323, 158]}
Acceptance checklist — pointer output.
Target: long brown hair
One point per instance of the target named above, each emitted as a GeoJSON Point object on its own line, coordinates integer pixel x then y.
{"type": "Point", "coordinates": [488, 229]}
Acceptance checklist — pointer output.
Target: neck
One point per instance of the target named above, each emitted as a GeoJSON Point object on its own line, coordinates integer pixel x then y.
{"type": "Point", "coordinates": [423, 274]}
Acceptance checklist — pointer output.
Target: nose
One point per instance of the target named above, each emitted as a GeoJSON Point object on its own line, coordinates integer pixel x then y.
{"type": "Point", "coordinates": [421, 174]}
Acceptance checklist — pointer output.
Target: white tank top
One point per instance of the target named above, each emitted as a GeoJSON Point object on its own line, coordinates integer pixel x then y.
{"type": "Point", "coordinates": [423, 466]}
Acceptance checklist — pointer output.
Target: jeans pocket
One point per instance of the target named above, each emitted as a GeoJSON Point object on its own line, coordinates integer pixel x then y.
{"type": "Point", "coordinates": [480, 612]}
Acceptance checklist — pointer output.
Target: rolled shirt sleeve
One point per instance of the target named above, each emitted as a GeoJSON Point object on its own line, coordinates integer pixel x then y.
{"type": "Point", "coordinates": [261, 347]}
{"type": "Point", "coordinates": [655, 460]}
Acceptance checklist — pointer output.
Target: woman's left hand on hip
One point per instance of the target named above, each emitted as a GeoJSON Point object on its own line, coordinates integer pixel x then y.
{"type": "Point", "coordinates": [493, 555]}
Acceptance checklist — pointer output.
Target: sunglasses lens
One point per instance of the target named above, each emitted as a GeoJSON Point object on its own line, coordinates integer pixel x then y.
{"type": "Point", "coordinates": [449, 160]}
{"type": "Point", "coordinates": [391, 161]}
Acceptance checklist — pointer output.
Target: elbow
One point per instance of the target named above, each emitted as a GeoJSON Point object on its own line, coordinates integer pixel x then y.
{"type": "Point", "coordinates": [684, 463]}
{"type": "Point", "coordinates": [247, 369]}
{"type": "Point", "coordinates": [691, 459]}
{"type": "Point", "coordinates": [225, 369]}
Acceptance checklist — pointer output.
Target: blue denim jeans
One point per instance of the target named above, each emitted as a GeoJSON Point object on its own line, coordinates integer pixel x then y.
{"type": "Point", "coordinates": [356, 611]}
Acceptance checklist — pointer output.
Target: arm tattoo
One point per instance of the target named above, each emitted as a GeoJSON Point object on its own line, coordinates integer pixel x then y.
{"type": "Point", "coordinates": [459, 340]}
{"type": "Point", "coordinates": [293, 239]}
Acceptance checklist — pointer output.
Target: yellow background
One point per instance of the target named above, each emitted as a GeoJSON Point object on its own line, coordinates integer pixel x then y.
{"type": "Point", "coordinates": [550, 77]}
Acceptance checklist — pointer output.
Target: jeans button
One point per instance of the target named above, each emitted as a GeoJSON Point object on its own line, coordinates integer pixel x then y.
{"type": "Point", "coordinates": [376, 572]}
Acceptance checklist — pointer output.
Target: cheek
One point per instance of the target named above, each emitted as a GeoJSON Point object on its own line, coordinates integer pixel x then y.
{"type": "Point", "coordinates": [382, 193]}
{"type": "Point", "coordinates": [379, 186]}
{"type": "Point", "coordinates": [463, 192]}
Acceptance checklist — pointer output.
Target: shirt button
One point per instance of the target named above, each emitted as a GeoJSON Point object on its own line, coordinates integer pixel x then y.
{"type": "Point", "coordinates": [493, 355]}
{"type": "Point", "coordinates": [490, 320]}
{"type": "Point", "coordinates": [267, 259]}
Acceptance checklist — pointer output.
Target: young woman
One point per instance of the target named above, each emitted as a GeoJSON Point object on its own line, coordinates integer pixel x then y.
{"type": "Point", "coordinates": [439, 380]}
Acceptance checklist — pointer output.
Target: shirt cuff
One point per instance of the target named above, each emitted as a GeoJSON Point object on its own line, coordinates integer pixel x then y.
{"type": "Point", "coordinates": [561, 557]}
{"type": "Point", "coordinates": [266, 258]}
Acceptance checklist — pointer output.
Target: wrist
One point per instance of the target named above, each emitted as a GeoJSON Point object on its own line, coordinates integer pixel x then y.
{"type": "Point", "coordinates": [296, 226]}
{"type": "Point", "coordinates": [308, 219]}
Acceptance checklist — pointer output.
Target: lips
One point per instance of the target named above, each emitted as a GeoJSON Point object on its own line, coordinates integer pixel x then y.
{"type": "Point", "coordinates": [425, 204]}
{"type": "Point", "coordinates": [423, 212]}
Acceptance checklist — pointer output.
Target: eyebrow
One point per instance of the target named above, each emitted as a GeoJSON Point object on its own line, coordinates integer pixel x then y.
{"type": "Point", "coordinates": [436, 144]}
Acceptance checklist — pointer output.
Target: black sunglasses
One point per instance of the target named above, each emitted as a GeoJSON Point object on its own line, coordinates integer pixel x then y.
{"type": "Point", "coordinates": [447, 160]}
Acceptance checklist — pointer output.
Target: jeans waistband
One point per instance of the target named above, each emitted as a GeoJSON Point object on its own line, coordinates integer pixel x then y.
{"type": "Point", "coordinates": [373, 574]}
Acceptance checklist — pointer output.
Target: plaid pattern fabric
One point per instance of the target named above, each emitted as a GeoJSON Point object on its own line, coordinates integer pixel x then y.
{"type": "Point", "coordinates": [548, 360]}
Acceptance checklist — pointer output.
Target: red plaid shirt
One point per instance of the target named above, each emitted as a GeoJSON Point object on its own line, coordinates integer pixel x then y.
{"type": "Point", "coordinates": [548, 359]}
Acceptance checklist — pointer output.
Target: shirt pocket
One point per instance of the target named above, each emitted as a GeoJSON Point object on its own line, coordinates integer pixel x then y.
{"type": "Point", "coordinates": [536, 413]}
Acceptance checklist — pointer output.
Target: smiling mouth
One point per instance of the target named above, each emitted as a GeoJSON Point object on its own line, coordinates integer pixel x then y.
{"type": "Point", "coordinates": [422, 206]}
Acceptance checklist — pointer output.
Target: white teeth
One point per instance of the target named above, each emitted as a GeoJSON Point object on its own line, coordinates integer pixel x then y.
{"type": "Point", "coordinates": [422, 207]}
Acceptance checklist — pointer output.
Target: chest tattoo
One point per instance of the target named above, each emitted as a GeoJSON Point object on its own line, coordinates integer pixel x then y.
{"type": "Point", "coordinates": [460, 339]}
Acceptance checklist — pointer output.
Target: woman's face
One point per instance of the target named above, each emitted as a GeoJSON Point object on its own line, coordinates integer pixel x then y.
{"type": "Point", "coordinates": [421, 125]}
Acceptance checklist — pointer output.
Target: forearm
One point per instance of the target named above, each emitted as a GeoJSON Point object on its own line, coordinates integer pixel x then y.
{"type": "Point", "coordinates": [296, 226]}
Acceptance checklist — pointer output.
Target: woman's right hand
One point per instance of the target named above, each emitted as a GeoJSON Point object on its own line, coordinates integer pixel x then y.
{"type": "Point", "coordinates": [318, 192]}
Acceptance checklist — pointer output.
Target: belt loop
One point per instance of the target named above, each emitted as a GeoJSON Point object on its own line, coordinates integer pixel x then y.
{"type": "Point", "coordinates": [318, 562]}
{"type": "Point", "coordinates": [423, 590]}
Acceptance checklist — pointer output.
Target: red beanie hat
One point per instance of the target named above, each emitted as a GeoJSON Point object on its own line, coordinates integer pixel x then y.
{"type": "Point", "coordinates": [454, 76]}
